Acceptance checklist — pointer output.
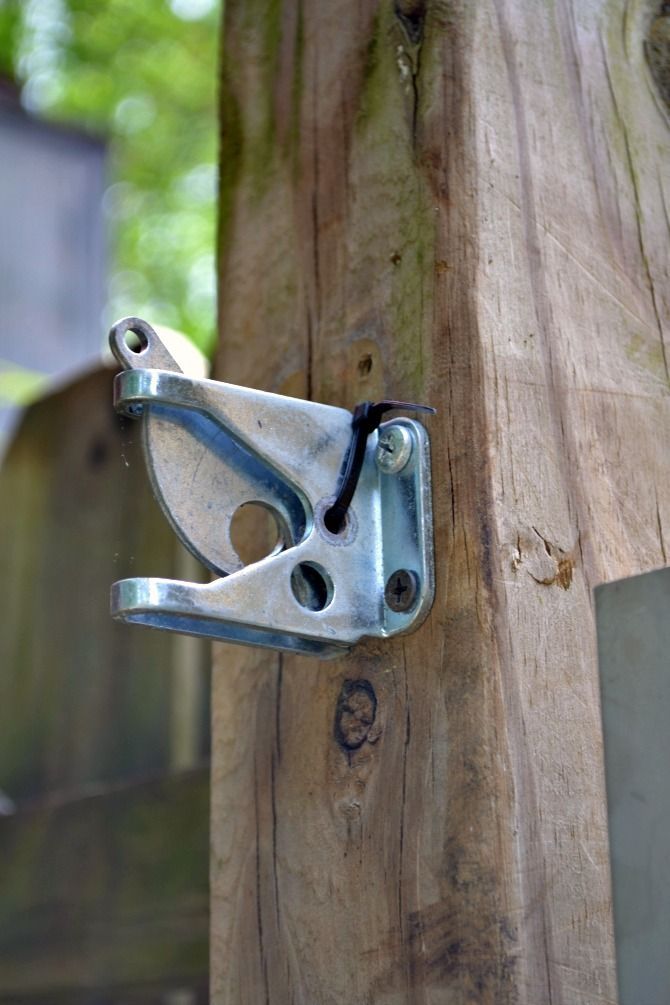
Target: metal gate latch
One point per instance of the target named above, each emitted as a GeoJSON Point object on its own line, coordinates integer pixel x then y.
{"type": "Point", "coordinates": [351, 499]}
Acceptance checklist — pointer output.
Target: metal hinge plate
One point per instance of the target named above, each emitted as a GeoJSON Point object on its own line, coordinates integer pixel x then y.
{"type": "Point", "coordinates": [212, 447]}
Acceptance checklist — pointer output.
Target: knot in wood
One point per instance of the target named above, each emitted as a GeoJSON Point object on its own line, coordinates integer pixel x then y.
{"type": "Point", "coordinates": [657, 51]}
{"type": "Point", "coordinates": [411, 14]}
{"type": "Point", "coordinates": [355, 713]}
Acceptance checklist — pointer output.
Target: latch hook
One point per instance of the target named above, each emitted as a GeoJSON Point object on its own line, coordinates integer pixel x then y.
{"type": "Point", "coordinates": [352, 501]}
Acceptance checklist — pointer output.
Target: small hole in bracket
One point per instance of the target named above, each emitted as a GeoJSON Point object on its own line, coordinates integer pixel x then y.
{"type": "Point", "coordinates": [312, 586]}
{"type": "Point", "coordinates": [136, 341]}
{"type": "Point", "coordinates": [327, 525]}
{"type": "Point", "coordinates": [331, 524]}
{"type": "Point", "coordinates": [255, 532]}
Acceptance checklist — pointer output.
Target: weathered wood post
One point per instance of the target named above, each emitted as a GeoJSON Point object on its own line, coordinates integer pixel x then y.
{"type": "Point", "coordinates": [463, 204]}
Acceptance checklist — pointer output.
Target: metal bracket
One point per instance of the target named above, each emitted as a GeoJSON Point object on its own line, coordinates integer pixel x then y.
{"type": "Point", "coordinates": [211, 447]}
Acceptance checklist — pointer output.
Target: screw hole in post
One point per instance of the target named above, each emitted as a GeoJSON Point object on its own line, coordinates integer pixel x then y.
{"type": "Point", "coordinates": [365, 365]}
{"type": "Point", "coordinates": [312, 586]}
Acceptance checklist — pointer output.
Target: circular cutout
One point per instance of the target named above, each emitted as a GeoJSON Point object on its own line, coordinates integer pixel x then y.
{"type": "Point", "coordinates": [255, 532]}
{"type": "Point", "coordinates": [136, 341]}
{"type": "Point", "coordinates": [312, 586]}
{"type": "Point", "coordinates": [132, 337]}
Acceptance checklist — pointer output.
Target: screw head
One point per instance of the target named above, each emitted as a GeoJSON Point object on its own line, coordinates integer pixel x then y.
{"type": "Point", "coordinates": [401, 590]}
{"type": "Point", "coordinates": [394, 449]}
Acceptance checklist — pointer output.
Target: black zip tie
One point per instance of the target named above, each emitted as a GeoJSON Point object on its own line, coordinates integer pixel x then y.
{"type": "Point", "coordinates": [367, 417]}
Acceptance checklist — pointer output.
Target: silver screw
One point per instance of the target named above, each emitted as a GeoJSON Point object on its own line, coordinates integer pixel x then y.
{"type": "Point", "coordinates": [394, 449]}
{"type": "Point", "coordinates": [401, 590]}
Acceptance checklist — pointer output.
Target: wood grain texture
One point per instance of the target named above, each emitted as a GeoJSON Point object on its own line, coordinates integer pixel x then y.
{"type": "Point", "coordinates": [463, 204]}
{"type": "Point", "coordinates": [82, 698]}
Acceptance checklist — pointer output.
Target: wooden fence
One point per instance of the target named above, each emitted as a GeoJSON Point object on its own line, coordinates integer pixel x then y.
{"type": "Point", "coordinates": [104, 736]}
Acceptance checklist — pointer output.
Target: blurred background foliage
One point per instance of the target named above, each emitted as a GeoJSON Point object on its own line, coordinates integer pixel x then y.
{"type": "Point", "coordinates": [142, 74]}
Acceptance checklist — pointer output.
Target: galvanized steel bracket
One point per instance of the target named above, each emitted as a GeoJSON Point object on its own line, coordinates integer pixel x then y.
{"type": "Point", "coordinates": [211, 447]}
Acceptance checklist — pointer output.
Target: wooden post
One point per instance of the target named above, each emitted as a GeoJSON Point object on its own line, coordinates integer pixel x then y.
{"type": "Point", "coordinates": [463, 204]}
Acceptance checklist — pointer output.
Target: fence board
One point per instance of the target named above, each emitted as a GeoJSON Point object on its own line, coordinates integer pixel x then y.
{"type": "Point", "coordinates": [104, 864]}
{"type": "Point", "coordinates": [107, 892]}
{"type": "Point", "coordinates": [83, 699]}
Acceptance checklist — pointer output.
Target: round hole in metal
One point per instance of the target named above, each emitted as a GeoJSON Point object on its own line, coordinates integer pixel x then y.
{"type": "Point", "coordinates": [136, 341]}
{"type": "Point", "coordinates": [255, 532]}
{"type": "Point", "coordinates": [312, 586]}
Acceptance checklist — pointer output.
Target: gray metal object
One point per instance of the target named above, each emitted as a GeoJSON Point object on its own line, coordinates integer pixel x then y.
{"type": "Point", "coordinates": [394, 449]}
{"type": "Point", "coordinates": [212, 447]}
{"type": "Point", "coordinates": [633, 618]}
{"type": "Point", "coordinates": [52, 260]}
{"type": "Point", "coordinates": [401, 591]}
